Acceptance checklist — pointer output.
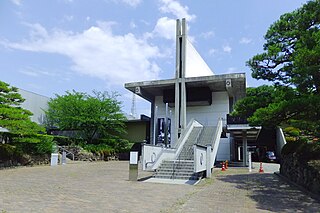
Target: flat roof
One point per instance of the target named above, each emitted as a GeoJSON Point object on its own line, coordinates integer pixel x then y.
{"type": "Point", "coordinates": [216, 83]}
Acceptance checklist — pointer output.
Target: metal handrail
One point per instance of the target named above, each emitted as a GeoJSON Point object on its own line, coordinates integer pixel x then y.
{"type": "Point", "coordinates": [67, 151]}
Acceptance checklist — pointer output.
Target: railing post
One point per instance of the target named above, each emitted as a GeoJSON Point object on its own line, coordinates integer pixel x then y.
{"type": "Point", "coordinates": [195, 158]}
{"type": "Point", "coordinates": [208, 161]}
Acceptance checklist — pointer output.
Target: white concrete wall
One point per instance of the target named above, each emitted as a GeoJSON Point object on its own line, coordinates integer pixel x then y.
{"type": "Point", "coordinates": [36, 104]}
{"type": "Point", "coordinates": [209, 115]}
{"type": "Point", "coordinates": [200, 158]}
{"type": "Point", "coordinates": [206, 115]}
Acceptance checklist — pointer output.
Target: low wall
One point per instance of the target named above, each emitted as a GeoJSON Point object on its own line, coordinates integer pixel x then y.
{"type": "Point", "coordinates": [302, 173]}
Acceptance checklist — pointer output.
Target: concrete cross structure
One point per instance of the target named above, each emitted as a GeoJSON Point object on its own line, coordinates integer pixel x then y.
{"type": "Point", "coordinates": [199, 103]}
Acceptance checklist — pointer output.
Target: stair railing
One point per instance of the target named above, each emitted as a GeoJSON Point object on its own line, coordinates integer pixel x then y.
{"type": "Point", "coordinates": [216, 141]}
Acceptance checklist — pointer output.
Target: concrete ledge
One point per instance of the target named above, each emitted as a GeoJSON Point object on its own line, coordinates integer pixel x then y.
{"type": "Point", "coordinates": [303, 189]}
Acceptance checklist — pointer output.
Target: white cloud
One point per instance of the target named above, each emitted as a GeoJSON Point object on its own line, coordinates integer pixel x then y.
{"type": "Point", "coordinates": [165, 28]}
{"type": "Point", "coordinates": [97, 52]}
{"type": "Point", "coordinates": [207, 35]}
{"type": "Point", "coordinates": [37, 72]}
{"type": "Point", "coordinates": [133, 25]}
{"type": "Point", "coordinates": [245, 40]}
{"type": "Point", "coordinates": [29, 73]}
{"type": "Point", "coordinates": [226, 48]}
{"type": "Point", "coordinates": [213, 51]}
{"type": "Point", "coordinates": [175, 8]}
{"type": "Point", "coordinates": [68, 17]}
{"type": "Point", "coordinates": [17, 2]}
{"type": "Point", "coordinates": [132, 3]}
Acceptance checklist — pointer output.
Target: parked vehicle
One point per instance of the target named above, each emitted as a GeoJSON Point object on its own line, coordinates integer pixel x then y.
{"type": "Point", "coordinates": [270, 156]}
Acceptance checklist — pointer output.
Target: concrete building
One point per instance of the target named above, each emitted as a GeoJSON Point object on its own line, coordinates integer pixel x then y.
{"type": "Point", "coordinates": [189, 112]}
{"type": "Point", "coordinates": [36, 104]}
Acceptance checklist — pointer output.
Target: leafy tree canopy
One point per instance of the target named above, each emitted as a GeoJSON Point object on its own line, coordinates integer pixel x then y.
{"type": "Point", "coordinates": [292, 62]}
{"type": "Point", "coordinates": [90, 115]}
{"type": "Point", "coordinates": [13, 117]}
{"type": "Point", "coordinates": [292, 50]}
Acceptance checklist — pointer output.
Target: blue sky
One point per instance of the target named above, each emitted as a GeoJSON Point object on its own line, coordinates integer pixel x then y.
{"type": "Point", "coordinates": [49, 47]}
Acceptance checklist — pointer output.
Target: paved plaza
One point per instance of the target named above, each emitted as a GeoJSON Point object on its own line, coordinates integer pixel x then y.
{"type": "Point", "coordinates": [104, 187]}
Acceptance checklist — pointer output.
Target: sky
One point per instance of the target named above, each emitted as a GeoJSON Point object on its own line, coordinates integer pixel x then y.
{"type": "Point", "coordinates": [49, 47]}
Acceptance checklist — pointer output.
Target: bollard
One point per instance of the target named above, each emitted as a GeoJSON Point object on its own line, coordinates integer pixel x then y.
{"type": "Point", "coordinates": [133, 167]}
{"type": "Point", "coordinates": [64, 158]}
{"type": "Point", "coordinates": [226, 164]}
{"type": "Point", "coordinates": [54, 159]}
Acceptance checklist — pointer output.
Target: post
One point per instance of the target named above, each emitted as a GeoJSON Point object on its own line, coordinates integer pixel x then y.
{"type": "Point", "coordinates": [155, 120]}
{"type": "Point", "coordinates": [250, 162]}
{"type": "Point", "coordinates": [133, 167]}
{"type": "Point", "coordinates": [244, 146]}
{"type": "Point", "coordinates": [239, 153]}
{"type": "Point", "coordinates": [208, 161]}
{"type": "Point", "coordinates": [166, 127]}
{"type": "Point", "coordinates": [64, 157]}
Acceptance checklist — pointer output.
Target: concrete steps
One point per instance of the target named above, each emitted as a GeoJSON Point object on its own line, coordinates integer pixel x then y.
{"type": "Point", "coordinates": [176, 170]}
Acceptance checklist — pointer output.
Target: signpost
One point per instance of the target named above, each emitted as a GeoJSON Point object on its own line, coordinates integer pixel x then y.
{"type": "Point", "coordinates": [133, 167]}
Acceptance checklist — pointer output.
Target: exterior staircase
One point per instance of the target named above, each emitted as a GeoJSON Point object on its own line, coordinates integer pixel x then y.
{"type": "Point", "coordinates": [187, 150]}
{"type": "Point", "coordinates": [183, 167]}
{"type": "Point", "coordinates": [176, 169]}
{"type": "Point", "coordinates": [206, 135]}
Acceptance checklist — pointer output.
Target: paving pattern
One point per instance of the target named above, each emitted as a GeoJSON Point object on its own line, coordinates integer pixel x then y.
{"type": "Point", "coordinates": [240, 191]}
{"type": "Point", "coordinates": [84, 187]}
{"type": "Point", "coordinates": [104, 187]}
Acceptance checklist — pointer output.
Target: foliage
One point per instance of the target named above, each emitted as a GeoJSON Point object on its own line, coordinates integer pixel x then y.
{"type": "Point", "coordinates": [15, 150]}
{"type": "Point", "coordinates": [292, 50]}
{"type": "Point", "coordinates": [291, 62]}
{"type": "Point", "coordinates": [89, 115]}
{"type": "Point", "coordinates": [111, 145]}
{"type": "Point", "coordinates": [303, 150]}
{"type": "Point", "coordinates": [13, 117]}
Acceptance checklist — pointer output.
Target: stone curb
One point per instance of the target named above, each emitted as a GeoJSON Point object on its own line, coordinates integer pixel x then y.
{"type": "Point", "coordinates": [303, 189]}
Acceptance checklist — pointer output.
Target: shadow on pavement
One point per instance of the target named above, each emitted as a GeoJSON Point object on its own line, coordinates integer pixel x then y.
{"type": "Point", "coordinates": [272, 194]}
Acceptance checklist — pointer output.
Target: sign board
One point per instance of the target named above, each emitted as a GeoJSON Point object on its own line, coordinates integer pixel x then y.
{"type": "Point", "coordinates": [133, 157]}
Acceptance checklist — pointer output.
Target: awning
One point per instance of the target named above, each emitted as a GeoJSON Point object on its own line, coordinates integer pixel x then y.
{"type": "Point", "coordinates": [237, 130]}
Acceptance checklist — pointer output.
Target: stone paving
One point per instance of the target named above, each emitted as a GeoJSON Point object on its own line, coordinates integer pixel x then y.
{"type": "Point", "coordinates": [237, 190]}
{"type": "Point", "coordinates": [84, 187]}
{"type": "Point", "coordinates": [104, 187]}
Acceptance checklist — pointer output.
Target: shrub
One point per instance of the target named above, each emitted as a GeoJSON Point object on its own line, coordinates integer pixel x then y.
{"type": "Point", "coordinates": [292, 131]}
{"type": "Point", "coordinates": [304, 150]}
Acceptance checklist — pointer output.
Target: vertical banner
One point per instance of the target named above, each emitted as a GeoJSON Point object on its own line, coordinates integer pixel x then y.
{"type": "Point", "coordinates": [161, 131]}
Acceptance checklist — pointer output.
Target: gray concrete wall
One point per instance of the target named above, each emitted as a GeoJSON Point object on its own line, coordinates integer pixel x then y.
{"type": "Point", "coordinates": [36, 104]}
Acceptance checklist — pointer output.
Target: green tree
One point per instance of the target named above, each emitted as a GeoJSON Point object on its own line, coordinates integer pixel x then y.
{"type": "Point", "coordinates": [291, 61]}
{"type": "Point", "coordinates": [89, 115]}
{"type": "Point", "coordinates": [292, 50]}
{"type": "Point", "coordinates": [14, 118]}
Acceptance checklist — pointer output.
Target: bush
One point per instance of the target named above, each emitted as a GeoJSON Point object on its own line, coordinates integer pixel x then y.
{"type": "Point", "coordinates": [292, 131]}
{"type": "Point", "coordinates": [303, 150]}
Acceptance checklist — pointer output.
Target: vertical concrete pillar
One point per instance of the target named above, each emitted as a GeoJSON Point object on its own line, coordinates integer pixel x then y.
{"type": "Point", "coordinates": [177, 84]}
{"type": "Point", "coordinates": [166, 127]}
{"type": "Point", "coordinates": [152, 125]}
{"type": "Point", "coordinates": [244, 146]}
{"type": "Point", "coordinates": [208, 160]}
{"type": "Point", "coordinates": [183, 75]}
{"type": "Point", "coordinates": [155, 120]}
{"type": "Point", "coordinates": [239, 153]}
